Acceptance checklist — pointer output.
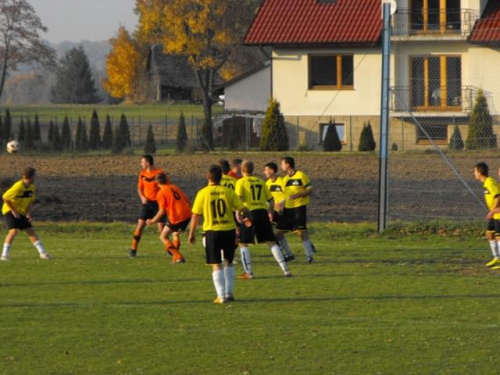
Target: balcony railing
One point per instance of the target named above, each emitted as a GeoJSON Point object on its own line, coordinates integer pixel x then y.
{"type": "Point", "coordinates": [405, 98]}
{"type": "Point", "coordinates": [417, 22]}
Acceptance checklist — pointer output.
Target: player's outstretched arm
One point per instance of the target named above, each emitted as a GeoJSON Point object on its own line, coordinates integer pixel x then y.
{"type": "Point", "coordinates": [195, 219]}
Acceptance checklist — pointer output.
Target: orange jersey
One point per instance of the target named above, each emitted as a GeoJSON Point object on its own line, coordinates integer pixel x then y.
{"type": "Point", "coordinates": [233, 174]}
{"type": "Point", "coordinates": [148, 185]}
{"type": "Point", "coordinates": [174, 202]}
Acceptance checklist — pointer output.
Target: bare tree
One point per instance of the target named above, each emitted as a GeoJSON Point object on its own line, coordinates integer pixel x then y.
{"type": "Point", "coordinates": [20, 41]}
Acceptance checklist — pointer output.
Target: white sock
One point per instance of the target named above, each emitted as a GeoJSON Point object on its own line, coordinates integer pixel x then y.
{"type": "Point", "coordinates": [497, 255]}
{"type": "Point", "coordinates": [284, 245]}
{"type": "Point", "coordinates": [494, 248]}
{"type": "Point", "coordinates": [39, 246]}
{"type": "Point", "coordinates": [245, 259]}
{"type": "Point", "coordinates": [6, 250]}
{"type": "Point", "coordinates": [275, 249]}
{"type": "Point", "coordinates": [229, 277]}
{"type": "Point", "coordinates": [308, 248]}
{"type": "Point", "coordinates": [219, 283]}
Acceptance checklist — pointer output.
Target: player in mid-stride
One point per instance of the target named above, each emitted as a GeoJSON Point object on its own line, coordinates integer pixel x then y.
{"type": "Point", "coordinates": [147, 189]}
{"type": "Point", "coordinates": [492, 198]}
{"type": "Point", "coordinates": [17, 202]}
{"type": "Point", "coordinates": [216, 203]}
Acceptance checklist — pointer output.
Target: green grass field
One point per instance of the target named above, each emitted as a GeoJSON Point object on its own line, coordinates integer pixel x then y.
{"type": "Point", "coordinates": [418, 304]}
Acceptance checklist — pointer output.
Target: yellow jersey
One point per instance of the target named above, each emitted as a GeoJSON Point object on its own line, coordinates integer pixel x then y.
{"type": "Point", "coordinates": [294, 184]}
{"type": "Point", "coordinates": [20, 196]}
{"type": "Point", "coordinates": [276, 189]}
{"type": "Point", "coordinates": [228, 181]}
{"type": "Point", "coordinates": [254, 192]}
{"type": "Point", "coordinates": [216, 204]}
{"type": "Point", "coordinates": [491, 191]}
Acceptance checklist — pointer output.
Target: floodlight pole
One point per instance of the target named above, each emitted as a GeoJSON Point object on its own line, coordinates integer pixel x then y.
{"type": "Point", "coordinates": [384, 119]}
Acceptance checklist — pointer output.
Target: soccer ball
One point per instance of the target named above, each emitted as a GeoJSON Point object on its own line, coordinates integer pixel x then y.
{"type": "Point", "coordinates": [13, 147]}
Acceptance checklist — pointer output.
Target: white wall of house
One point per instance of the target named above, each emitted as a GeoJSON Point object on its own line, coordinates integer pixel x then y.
{"type": "Point", "coordinates": [251, 93]}
{"type": "Point", "coordinates": [483, 74]}
{"type": "Point", "coordinates": [290, 85]}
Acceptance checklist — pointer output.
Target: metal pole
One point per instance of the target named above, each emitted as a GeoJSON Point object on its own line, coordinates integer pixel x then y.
{"type": "Point", "coordinates": [384, 120]}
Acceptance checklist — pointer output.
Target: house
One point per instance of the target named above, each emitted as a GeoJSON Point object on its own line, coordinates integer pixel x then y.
{"type": "Point", "coordinates": [326, 65]}
{"type": "Point", "coordinates": [170, 77]}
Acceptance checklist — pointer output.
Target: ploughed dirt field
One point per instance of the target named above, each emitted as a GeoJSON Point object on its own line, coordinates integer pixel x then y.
{"type": "Point", "coordinates": [104, 188]}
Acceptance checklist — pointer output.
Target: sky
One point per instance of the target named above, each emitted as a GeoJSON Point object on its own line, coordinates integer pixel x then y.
{"type": "Point", "coordinates": [77, 20]}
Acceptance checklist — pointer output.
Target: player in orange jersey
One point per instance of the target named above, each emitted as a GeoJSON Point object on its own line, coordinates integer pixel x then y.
{"type": "Point", "coordinates": [171, 202]}
{"type": "Point", "coordinates": [147, 188]}
{"type": "Point", "coordinates": [235, 168]}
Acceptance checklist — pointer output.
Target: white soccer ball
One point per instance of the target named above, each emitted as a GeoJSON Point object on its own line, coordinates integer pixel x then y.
{"type": "Point", "coordinates": [13, 147]}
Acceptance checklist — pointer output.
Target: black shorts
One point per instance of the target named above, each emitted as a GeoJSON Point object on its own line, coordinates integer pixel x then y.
{"type": "Point", "coordinates": [494, 226]}
{"type": "Point", "coordinates": [179, 227]}
{"type": "Point", "coordinates": [149, 210]}
{"type": "Point", "coordinates": [276, 218]}
{"type": "Point", "coordinates": [293, 219]}
{"type": "Point", "coordinates": [215, 241]}
{"type": "Point", "coordinates": [13, 223]}
{"type": "Point", "coordinates": [261, 228]}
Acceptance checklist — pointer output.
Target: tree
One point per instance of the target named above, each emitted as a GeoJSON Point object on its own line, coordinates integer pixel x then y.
{"type": "Point", "coordinates": [204, 31]}
{"type": "Point", "coordinates": [182, 137]}
{"type": "Point", "coordinates": [95, 132]}
{"type": "Point", "coordinates": [274, 135]}
{"type": "Point", "coordinates": [118, 142]}
{"type": "Point", "coordinates": [20, 41]}
{"type": "Point", "coordinates": [81, 139]}
{"type": "Point", "coordinates": [66, 134]}
{"type": "Point", "coordinates": [7, 125]}
{"type": "Point", "coordinates": [125, 131]}
{"type": "Point", "coordinates": [456, 142]}
{"type": "Point", "coordinates": [56, 141]}
{"type": "Point", "coordinates": [107, 137]}
{"type": "Point", "coordinates": [1, 130]}
{"type": "Point", "coordinates": [29, 143]}
{"type": "Point", "coordinates": [481, 134]}
{"type": "Point", "coordinates": [21, 136]}
{"type": "Point", "coordinates": [37, 136]}
{"type": "Point", "coordinates": [366, 140]}
{"type": "Point", "coordinates": [122, 66]}
{"type": "Point", "coordinates": [75, 82]}
{"type": "Point", "coordinates": [150, 147]}
{"type": "Point", "coordinates": [332, 140]}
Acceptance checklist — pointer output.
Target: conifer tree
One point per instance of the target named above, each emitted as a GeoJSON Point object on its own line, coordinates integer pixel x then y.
{"type": "Point", "coordinates": [7, 125]}
{"type": "Point", "coordinates": [56, 142]}
{"type": "Point", "coordinates": [81, 139]}
{"type": "Point", "coordinates": [95, 132]}
{"type": "Point", "coordinates": [1, 129]}
{"type": "Point", "coordinates": [366, 140]}
{"type": "Point", "coordinates": [332, 140]}
{"type": "Point", "coordinates": [29, 143]}
{"type": "Point", "coordinates": [21, 135]}
{"type": "Point", "coordinates": [150, 147]}
{"type": "Point", "coordinates": [66, 134]}
{"type": "Point", "coordinates": [274, 135]}
{"type": "Point", "coordinates": [50, 133]}
{"type": "Point", "coordinates": [182, 137]}
{"type": "Point", "coordinates": [456, 141]}
{"type": "Point", "coordinates": [107, 137]}
{"type": "Point", "coordinates": [118, 141]}
{"type": "Point", "coordinates": [481, 134]}
{"type": "Point", "coordinates": [124, 131]}
{"type": "Point", "coordinates": [37, 134]}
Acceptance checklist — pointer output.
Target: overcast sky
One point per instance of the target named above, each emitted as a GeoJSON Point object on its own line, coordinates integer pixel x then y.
{"type": "Point", "coordinates": [77, 20]}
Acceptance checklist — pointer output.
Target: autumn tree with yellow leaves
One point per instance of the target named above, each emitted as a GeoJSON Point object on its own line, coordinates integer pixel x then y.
{"type": "Point", "coordinates": [123, 65]}
{"type": "Point", "coordinates": [205, 31]}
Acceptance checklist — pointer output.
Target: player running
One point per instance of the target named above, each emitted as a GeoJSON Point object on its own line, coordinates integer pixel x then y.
{"type": "Point", "coordinates": [17, 202]}
{"type": "Point", "coordinates": [259, 201]}
{"type": "Point", "coordinates": [492, 198]}
{"type": "Point", "coordinates": [147, 188]}
{"type": "Point", "coordinates": [173, 203]}
{"type": "Point", "coordinates": [216, 204]}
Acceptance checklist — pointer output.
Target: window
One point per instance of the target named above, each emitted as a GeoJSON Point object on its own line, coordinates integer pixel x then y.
{"type": "Point", "coordinates": [435, 15]}
{"type": "Point", "coordinates": [323, 128]}
{"type": "Point", "coordinates": [436, 82]}
{"type": "Point", "coordinates": [331, 72]}
{"type": "Point", "coordinates": [438, 133]}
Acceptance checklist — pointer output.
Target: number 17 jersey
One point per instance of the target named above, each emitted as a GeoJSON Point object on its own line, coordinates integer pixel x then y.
{"type": "Point", "coordinates": [254, 192]}
{"type": "Point", "coordinates": [216, 203]}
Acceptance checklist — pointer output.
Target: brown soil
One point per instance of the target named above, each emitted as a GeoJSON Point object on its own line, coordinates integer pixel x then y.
{"type": "Point", "coordinates": [104, 188]}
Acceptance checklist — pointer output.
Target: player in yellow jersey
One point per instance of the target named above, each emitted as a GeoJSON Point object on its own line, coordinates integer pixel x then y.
{"type": "Point", "coordinates": [216, 204]}
{"type": "Point", "coordinates": [492, 199]}
{"type": "Point", "coordinates": [259, 201]}
{"type": "Point", "coordinates": [17, 202]}
{"type": "Point", "coordinates": [227, 180]}
{"type": "Point", "coordinates": [274, 182]}
{"type": "Point", "coordinates": [297, 188]}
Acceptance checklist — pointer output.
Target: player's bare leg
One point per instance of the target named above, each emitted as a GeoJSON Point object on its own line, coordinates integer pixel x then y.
{"type": "Point", "coordinates": [9, 239]}
{"type": "Point", "coordinates": [141, 224]}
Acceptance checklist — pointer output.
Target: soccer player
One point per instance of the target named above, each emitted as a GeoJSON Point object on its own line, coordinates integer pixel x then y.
{"type": "Point", "coordinates": [274, 183]}
{"type": "Point", "coordinates": [492, 198]}
{"type": "Point", "coordinates": [17, 202]}
{"type": "Point", "coordinates": [227, 179]}
{"type": "Point", "coordinates": [259, 201]}
{"type": "Point", "coordinates": [216, 204]}
{"type": "Point", "coordinates": [297, 189]}
{"type": "Point", "coordinates": [174, 203]}
{"type": "Point", "coordinates": [235, 168]}
{"type": "Point", "coordinates": [147, 188]}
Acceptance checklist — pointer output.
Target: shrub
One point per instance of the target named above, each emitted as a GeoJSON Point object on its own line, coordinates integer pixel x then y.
{"type": "Point", "coordinates": [456, 142]}
{"type": "Point", "coordinates": [29, 143]}
{"type": "Point", "coordinates": [21, 135]}
{"type": "Point", "coordinates": [150, 147]}
{"type": "Point", "coordinates": [95, 132]}
{"type": "Point", "coordinates": [182, 138]}
{"type": "Point", "coordinates": [81, 139]}
{"type": "Point", "coordinates": [332, 140]}
{"type": "Point", "coordinates": [7, 126]}
{"type": "Point", "coordinates": [37, 136]}
{"type": "Point", "coordinates": [481, 134]}
{"type": "Point", "coordinates": [366, 140]}
{"type": "Point", "coordinates": [56, 142]}
{"type": "Point", "coordinates": [274, 135]}
{"type": "Point", "coordinates": [66, 134]}
{"type": "Point", "coordinates": [107, 137]}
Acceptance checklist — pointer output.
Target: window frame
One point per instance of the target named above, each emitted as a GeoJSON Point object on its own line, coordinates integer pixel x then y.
{"type": "Point", "coordinates": [423, 140]}
{"type": "Point", "coordinates": [339, 71]}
